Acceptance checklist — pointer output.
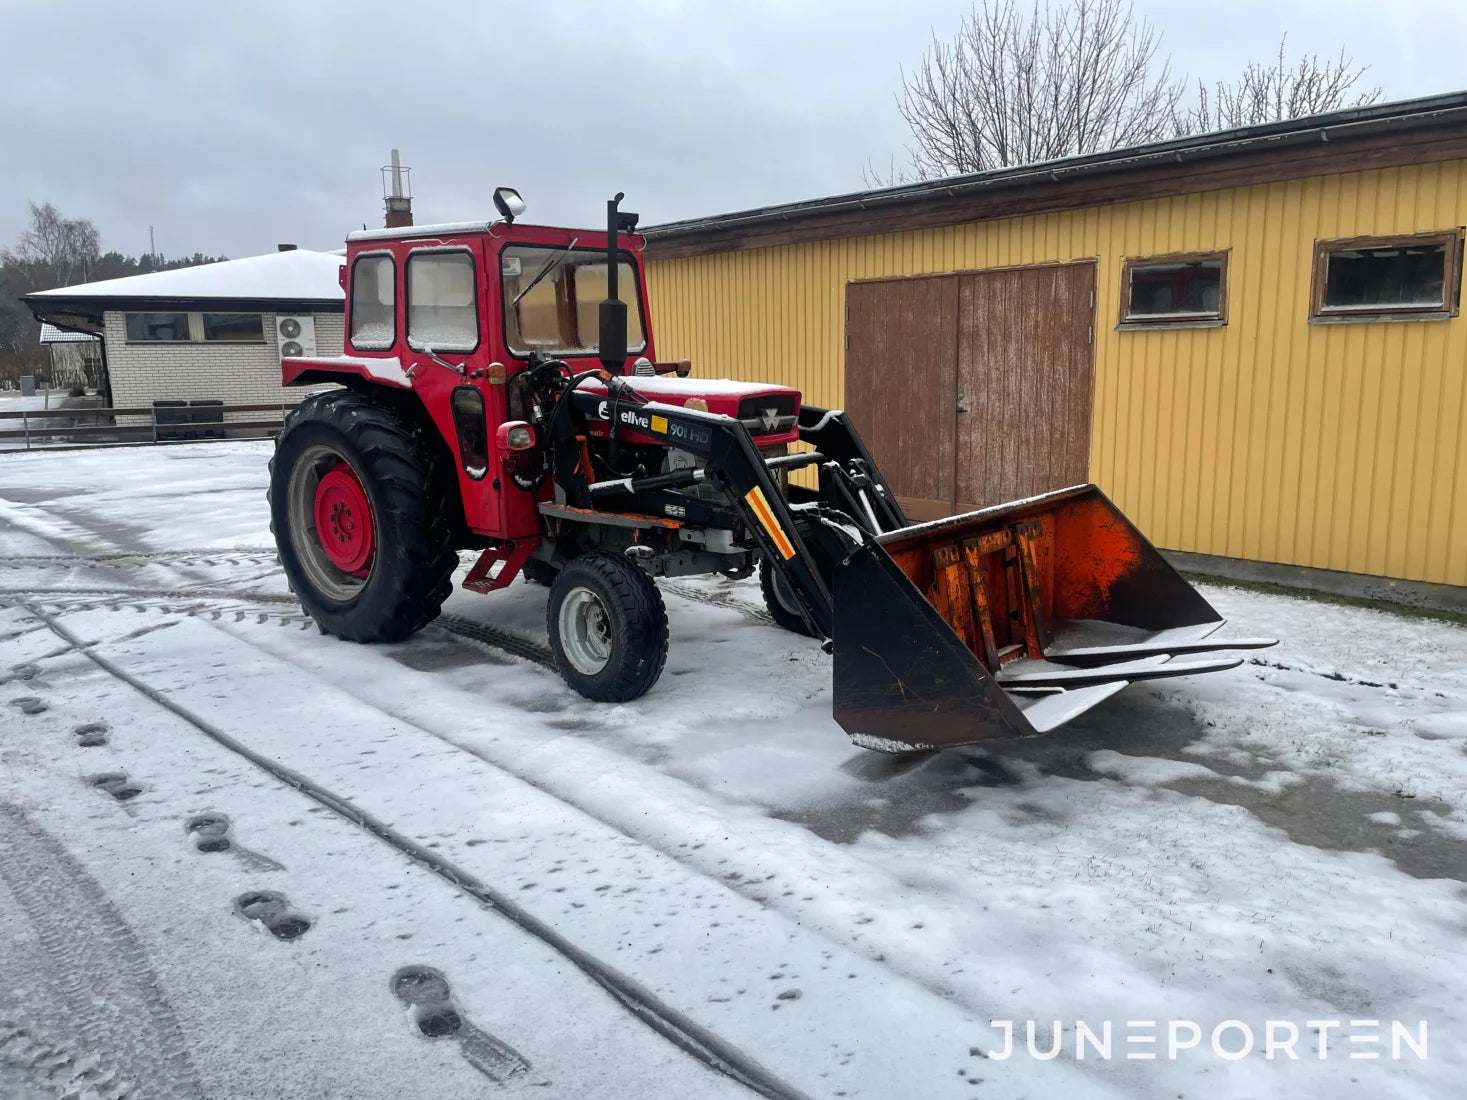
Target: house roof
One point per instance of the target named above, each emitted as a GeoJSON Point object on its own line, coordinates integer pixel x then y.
{"type": "Point", "coordinates": [50, 334]}
{"type": "Point", "coordinates": [1433, 128]}
{"type": "Point", "coordinates": [296, 274]}
{"type": "Point", "coordinates": [298, 279]}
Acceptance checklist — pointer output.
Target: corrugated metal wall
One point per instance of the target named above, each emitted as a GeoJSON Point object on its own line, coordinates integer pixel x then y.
{"type": "Point", "coordinates": [1337, 446]}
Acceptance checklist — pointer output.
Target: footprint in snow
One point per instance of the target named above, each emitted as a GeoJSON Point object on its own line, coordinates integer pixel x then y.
{"type": "Point", "coordinates": [91, 734]}
{"type": "Point", "coordinates": [425, 991]}
{"type": "Point", "coordinates": [30, 704]}
{"type": "Point", "coordinates": [117, 785]}
{"type": "Point", "coordinates": [211, 833]}
{"type": "Point", "coordinates": [274, 912]}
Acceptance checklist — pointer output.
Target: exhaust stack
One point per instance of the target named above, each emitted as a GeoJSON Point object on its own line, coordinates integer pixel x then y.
{"type": "Point", "coordinates": [397, 193]}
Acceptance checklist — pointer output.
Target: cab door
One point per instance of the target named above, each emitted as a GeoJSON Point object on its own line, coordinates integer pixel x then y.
{"type": "Point", "coordinates": [446, 347]}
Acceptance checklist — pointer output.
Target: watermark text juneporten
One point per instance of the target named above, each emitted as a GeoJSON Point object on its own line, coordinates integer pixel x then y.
{"type": "Point", "coordinates": [1228, 1040]}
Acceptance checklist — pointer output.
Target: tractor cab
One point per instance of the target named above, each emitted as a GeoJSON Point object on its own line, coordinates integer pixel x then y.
{"type": "Point", "coordinates": [486, 322]}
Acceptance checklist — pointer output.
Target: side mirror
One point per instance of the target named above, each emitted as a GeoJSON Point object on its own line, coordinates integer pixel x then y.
{"type": "Point", "coordinates": [509, 204]}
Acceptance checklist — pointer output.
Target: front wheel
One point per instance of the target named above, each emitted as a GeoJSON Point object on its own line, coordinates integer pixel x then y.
{"type": "Point", "coordinates": [781, 602]}
{"type": "Point", "coordinates": [608, 627]}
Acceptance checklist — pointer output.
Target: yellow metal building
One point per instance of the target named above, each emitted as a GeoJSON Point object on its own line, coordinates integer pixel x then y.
{"type": "Point", "coordinates": [1273, 367]}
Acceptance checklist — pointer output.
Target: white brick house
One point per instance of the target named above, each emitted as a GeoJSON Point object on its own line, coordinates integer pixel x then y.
{"type": "Point", "coordinates": [213, 333]}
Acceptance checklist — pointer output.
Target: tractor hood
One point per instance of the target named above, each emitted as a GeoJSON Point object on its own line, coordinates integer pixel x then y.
{"type": "Point", "coordinates": [771, 413]}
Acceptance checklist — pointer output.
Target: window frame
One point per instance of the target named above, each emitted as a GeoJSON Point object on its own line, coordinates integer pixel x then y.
{"type": "Point", "coordinates": [1450, 239]}
{"type": "Point", "coordinates": [407, 299]}
{"type": "Point", "coordinates": [1126, 322]}
{"type": "Point", "coordinates": [398, 324]}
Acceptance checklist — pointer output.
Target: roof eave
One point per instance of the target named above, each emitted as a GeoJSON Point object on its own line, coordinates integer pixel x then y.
{"type": "Point", "coordinates": [1342, 126]}
{"type": "Point", "coordinates": [46, 306]}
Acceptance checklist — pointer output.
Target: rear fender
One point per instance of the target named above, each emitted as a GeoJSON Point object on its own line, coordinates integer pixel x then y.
{"type": "Point", "coordinates": [308, 372]}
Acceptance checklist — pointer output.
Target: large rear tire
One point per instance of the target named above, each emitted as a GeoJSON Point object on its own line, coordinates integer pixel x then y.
{"type": "Point", "coordinates": [363, 512]}
{"type": "Point", "coordinates": [608, 627]}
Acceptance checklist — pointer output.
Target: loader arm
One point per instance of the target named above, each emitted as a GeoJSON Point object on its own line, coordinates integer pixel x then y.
{"type": "Point", "coordinates": [1001, 623]}
{"type": "Point", "coordinates": [734, 464]}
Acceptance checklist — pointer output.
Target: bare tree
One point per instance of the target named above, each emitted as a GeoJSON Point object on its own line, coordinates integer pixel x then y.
{"type": "Point", "coordinates": [52, 251]}
{"type": "Point", "coordinates": [59, 250]}
{"type": "Point", "coordinates": [1016, 87]}
{"type": "Point", "coordinates": [56, 251]}
{"type": "Point", "coordinates": [1278, 91]}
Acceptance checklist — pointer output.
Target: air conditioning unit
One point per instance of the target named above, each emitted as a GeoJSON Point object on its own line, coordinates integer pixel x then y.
{"type": "Point", "coordinates": [296, 336]}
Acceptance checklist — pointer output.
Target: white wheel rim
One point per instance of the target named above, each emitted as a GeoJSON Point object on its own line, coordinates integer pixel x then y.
{"type": "Point", "coordinates": [585, 631]}
{"type": "Point", "coordinates": [783, 594]}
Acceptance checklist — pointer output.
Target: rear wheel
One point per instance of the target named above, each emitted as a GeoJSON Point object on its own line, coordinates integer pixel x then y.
{"type": "Point", "coordinates": [781, 601]}
{"type": "Point", "coordinates": [608, 627]}
{"type": "Point", "coordinates": [362, 518]}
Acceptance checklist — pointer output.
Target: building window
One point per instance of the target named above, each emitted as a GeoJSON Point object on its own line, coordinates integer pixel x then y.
{"type": "Point", "coordinates": [157, 327]}
{"type": "Point", "coordinates": [373, 303]}
{"type": "Point", "coordinates": [230, 328]}
{"type": "Point", "coordinates": [234, 328]}
{"type": "Point", "coordinates": [442, 303]}
{"type": "Point", "coordinates": [1188, 289]}
{"type": "Point", "coordinates": [1381, 278]}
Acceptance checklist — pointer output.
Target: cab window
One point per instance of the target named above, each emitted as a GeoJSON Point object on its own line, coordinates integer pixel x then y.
{"type": "Point", "coordinates": [442, 306]}
{"type": "Point", "coordinates": [552, 300]}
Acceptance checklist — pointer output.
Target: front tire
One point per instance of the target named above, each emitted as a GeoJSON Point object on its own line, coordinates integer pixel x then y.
{"type": "Point", "coordinates": [780, 602]}
{"type": "Point", "coordinates": [608, 627]}
{"type": "Point", "coordinates": [362, 517]}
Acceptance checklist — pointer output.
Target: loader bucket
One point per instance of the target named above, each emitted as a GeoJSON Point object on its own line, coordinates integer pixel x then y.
{"type": "Point", "coordinates": [1008, 622]}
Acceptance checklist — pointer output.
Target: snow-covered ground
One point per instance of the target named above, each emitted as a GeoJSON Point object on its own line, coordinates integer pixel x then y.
{"type": "Point", "coordinates": [617, 897]}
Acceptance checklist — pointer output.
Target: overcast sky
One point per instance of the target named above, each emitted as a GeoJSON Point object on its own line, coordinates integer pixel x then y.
{"type": "Point", "coordinates": [232, 127]}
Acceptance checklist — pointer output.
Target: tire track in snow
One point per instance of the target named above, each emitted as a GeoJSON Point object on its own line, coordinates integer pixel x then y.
{"type": "Point", "coordinates": [232, 555]}
{"type": "Point", "coordinates": [641, 1003]}
{"type": "Point", "coordinates": [113, 1033]}
{"type": "Point", "coordinates": [725, 600]}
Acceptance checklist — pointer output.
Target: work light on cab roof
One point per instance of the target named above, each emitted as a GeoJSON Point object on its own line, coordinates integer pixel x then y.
{"type": "Point", "coordinates": [500, 391]}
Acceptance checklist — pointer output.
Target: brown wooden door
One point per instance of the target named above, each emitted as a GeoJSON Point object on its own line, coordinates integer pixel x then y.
{"type": "Point", "coordinates": [901, 385]}
{"type": "Point", "coordinates": [1024, 379]}
{"type": "Point", "coordinates": [973, 389]}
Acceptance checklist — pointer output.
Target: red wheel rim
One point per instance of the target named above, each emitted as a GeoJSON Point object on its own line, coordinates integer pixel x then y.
{"type": "Point", "coordinates": [344, 520]}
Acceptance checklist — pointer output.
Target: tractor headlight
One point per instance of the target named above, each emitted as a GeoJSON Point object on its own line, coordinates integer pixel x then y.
{"type": "Point", "coordinates": [519, 437]}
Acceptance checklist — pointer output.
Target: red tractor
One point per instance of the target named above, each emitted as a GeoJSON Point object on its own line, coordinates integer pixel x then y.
{"type": "Point", "coordinates": [500, 392]}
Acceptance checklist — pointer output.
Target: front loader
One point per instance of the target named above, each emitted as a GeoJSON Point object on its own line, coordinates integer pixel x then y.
{"type": "Point", "coordinates": [489, 401]}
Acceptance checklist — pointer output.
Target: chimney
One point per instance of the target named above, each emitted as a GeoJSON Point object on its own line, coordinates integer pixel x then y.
{"type": "Point", "coordinates": [285, 248]}
{"type": "Point", "coordinates": [397, 193]}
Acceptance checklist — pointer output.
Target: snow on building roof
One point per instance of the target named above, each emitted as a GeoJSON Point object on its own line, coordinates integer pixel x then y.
{"type": "Point", "coordinates": [299, 273]}
{"type": "Point", "coordinates": [50, 334]}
